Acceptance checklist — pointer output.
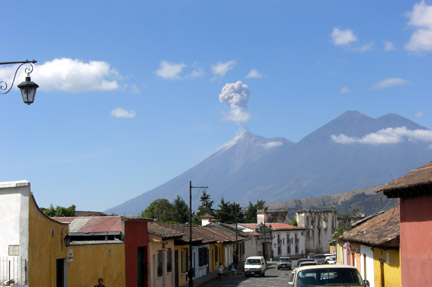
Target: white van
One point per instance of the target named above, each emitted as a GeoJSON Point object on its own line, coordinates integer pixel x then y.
{"type": "Point", "coordinates": [255, 265]}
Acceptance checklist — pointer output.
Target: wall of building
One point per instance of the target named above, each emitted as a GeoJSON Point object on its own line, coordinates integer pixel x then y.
{"type": "Point", "coordinates": [319, 225]}
{"type": "Point", "coordinates": [46, 246]}
{"type": "Point", "coordinates": [164, 248]}
{"type": "Point", "coordinates": [288, 243]}
{"type": "Point", "coordinates": [135, 236]}
{"type": "Point", "coordinates": [416, 255]}
{"type": "Point", "coordinates": [367, 264]}
{"type": "Point", "coordinates": [387, 267]}
{"type": "Point", "coordinates": [14, 210]}
{"type": "Point", "coordinates": [93, 261]}
{"type": "Point", "coordinates": [182, 275]}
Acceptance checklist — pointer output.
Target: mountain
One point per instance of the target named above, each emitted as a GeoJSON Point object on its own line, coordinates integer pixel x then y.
{"type": "Point", "coordinates": [352, 152]}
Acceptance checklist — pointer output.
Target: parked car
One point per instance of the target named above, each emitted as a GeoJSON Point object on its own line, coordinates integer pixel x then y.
{"type": "Point", "coordinates": [307, 263]}
{"type": "Point", "coordinates": [311, 255]}
{"type": "Point", "coordinates": [319, 258]}
{"type": "Point", "coordinates": [255, 265]}
{"type": "Point", "coordinates": [284, 262]}
{"type": "Point", "coordinates": [305, 260]}
{"type": "Point", "coordinates": [321, 275]}
{"type": "Point", "coordinates": [330, 259]}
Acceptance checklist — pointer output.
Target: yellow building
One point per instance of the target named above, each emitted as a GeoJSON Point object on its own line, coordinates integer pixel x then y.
{"type": "Point", "coordinates": [43, 251]}
{"type": "Point", "coordinates": [373, 247]}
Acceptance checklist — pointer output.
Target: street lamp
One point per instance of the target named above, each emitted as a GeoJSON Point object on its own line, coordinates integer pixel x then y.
{"type": "Point", "coordinates": [28, 88]}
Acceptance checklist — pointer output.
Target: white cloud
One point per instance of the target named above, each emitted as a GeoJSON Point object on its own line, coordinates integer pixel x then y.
{"type": "Point", "coordinates": [388, 46]}
{"type": "Point", "coordinates": [342, 37]}
{"type": "Point", "coordinates": [419, 114]}
{"type": "Point", "coordinates": [254, 74]}
{"type": "Point", "coordinates": [122, 113]}
{"type": "Point", "coordinates": [69, 75]}
{"type": "Point", "coordinates": [386, 136]}
{"type": "Point", "coordinates": [364, 48]}
{"type": "Point", "coordinates": [421, 19]}
{"type": "Point", "coordinates": [344, 90]}
{"type": "Point", "coordinates": [236, 97]}
{"type": "Point", "coordinates": [169, 71]}
{"type": "Point", "coordinates": [390, 82]}
{"type": "Point", "coordinates": [271, 145]}
{"type": "Point", "coordinates": [220, 69]}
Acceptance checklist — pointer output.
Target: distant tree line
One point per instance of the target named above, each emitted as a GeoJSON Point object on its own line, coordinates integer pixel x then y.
{"type": "Point", "coordinates": [59, 211]}
{"type": "Point", "coordinates": [178, 211]}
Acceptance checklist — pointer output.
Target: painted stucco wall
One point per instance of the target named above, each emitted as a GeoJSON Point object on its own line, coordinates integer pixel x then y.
{"type": "Point", "coordinates": [92, 261]}
{"type": "Point", "coordinates": [46, 245]}
{"type": "Point", "coordinates": [14, 210]}
{"type": "Point", "coordinates": [155, 245]}
{"type": "Point", "coordinates": [135, 235]}
{"type": "Point", "coordinates": [387, 261]}
{"type": "Point", "coordinates": [367, 264]}
{"type": "Point", "coordinates": [288, 238]}
{"type": "Point", "coordinates": [416, 254]}
{"type": "Point", "coordinates": [319, 226]}
{"type": "Point", "coordinates": [182, 275]}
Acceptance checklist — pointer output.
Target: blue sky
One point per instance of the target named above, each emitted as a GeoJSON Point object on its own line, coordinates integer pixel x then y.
{"type": "Point", "coordinates": [132, 93]}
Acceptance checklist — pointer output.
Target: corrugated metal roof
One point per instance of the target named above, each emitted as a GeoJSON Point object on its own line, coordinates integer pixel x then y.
{"type": "Point", "coordinates": [92, 224]}
{"type": "Point", "coordinates": [381, 230]}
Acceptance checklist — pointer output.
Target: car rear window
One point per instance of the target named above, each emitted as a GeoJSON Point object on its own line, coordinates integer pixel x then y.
{"type": "Point", "coordinates": [329, 276]}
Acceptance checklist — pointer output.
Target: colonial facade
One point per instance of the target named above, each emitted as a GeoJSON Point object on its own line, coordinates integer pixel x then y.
{"type": "Point", "coordinates": [319, 227]}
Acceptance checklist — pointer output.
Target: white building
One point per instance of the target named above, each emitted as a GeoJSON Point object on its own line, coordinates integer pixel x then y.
{"type": "Point", "coordinates": [319, 227]}
{"type": "Point", "coordinates": [287, 240]}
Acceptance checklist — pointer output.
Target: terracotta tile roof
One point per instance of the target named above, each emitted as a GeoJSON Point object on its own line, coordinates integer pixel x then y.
{"type": "Point", "coordinates": [164, 230]}
{"type": "Point", "coordinates": [197, 236]}
{"type": "Point", "coordinates": [92, 224]}
{"type": "Point", "coordinates": [416, 182]}
{"type": "Point", "coordinates": [381, 230]}
{"type": "Point", "coordinates": [220, 233]}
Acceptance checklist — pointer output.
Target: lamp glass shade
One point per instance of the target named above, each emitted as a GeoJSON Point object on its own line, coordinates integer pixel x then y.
{"type": "Point", "coordinates": [28, 90]}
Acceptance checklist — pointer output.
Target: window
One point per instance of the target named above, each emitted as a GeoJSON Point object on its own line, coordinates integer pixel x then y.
{"type": "Point", "coordinates": [184, 256]}
{"type": "Point", "coordinates": [203, 256]}
{"type": "Point", "coordinates": [169, 260]}
{"type": "Point", "coordinates": [160, 263]}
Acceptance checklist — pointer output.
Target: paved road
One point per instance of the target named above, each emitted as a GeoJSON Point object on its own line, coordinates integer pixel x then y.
{"type": "Point", "coordinates": [273, 278]}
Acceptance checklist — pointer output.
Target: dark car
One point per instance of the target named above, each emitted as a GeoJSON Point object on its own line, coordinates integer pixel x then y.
{"type": "Point", "coordinates": [319, 258]}
{"type": "Point", "coordinates": [284, 263]}
{"type": "Point", "coordinates": [305, 260]}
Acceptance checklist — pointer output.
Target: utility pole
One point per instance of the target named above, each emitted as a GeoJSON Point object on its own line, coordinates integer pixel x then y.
{"type": "Point", "coordinates": [190, 273]}
{"type": "Point", "coordinates": [236, 231]}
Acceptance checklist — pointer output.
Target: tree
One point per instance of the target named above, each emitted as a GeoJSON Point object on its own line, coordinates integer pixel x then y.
{"type": "Point", "coordinates": [60, 211]}
{"type": "Point", "coordinates": [227, 212]}
{"type": "Point", "coordinates": [181, 210]}
{"type": "Point", "coordinates": [160, 209]}
{"type": "Point", "coordinates": [343, 225]}
{"type": "Point", "coordinates": [293, 222]}
{"type": "Point", "coordinates": [251, 213]}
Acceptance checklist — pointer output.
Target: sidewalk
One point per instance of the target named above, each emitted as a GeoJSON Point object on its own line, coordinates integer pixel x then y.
{"type": "Point", "coordinates": [213, 276]}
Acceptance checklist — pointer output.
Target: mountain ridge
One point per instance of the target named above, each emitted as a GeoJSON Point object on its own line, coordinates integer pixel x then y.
{"type": "Point", "coordinates": [252, 167]}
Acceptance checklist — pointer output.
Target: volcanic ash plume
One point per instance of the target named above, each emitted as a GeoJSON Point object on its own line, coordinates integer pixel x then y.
{"type": "Point", "coordinates": [236, 96]}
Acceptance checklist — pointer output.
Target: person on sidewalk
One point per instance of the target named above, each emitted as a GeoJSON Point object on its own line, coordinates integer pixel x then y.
{"type": "Point", "coordinates": [220, 270]}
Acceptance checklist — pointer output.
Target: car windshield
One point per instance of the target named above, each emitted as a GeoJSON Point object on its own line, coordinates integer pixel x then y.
{"type": "Point", "coordinates": [253, 261]}
{"type": "Point", "coordinates": [319, 256]}
{"type": "Point", "coordinates": [329, 277]}
{"type": "Point", "coordinates": [284, 260]}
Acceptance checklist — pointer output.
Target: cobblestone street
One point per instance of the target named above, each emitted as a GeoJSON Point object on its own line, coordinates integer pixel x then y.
{"type": "Point", "coordinates": [273, 278]}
